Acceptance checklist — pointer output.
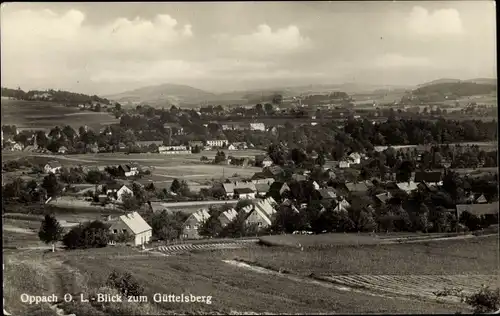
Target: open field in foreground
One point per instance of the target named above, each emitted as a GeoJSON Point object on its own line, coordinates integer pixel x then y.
{"type": "Point", "coordinates": [466, 256]}
{"type": "Point", "coordinates": [232, 289]}
{"type": "Point", "coordinates": [46, 115]}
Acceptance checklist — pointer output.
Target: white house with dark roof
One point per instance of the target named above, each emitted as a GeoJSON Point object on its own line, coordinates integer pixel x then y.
{"type": "Point", "coordinates": [118, 191]}
{"type": "Point", "coordinates": [135, 225]}
{"type": "Point", "coordinates": [230, 187]}
{"type": "Point", "coordinates": [257, 127]}
{"type": "Point", "coordinates": [194, 221]}
{"type": "Point", "coordinates": [217, 142]}
{"type": "Point", "coordinates": [52, 167]}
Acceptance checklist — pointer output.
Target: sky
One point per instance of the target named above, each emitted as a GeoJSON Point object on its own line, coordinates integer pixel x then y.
{"type": "Point", "coordinates": [105, 48]}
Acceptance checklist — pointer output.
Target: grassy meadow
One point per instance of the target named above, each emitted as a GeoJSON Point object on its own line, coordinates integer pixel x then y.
{"type": "Point", "coordinates": [46, 115]}
{"type": "Point", "coordinates": [232, 290]}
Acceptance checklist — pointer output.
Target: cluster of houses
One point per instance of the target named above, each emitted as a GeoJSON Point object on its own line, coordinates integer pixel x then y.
{"type": "Point", "coordinates": [259, 212]}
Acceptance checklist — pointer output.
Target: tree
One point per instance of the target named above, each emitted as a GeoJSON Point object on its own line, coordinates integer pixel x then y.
{"type": "Point", "coordinates": [211, 227]}
{"type": "Point", "coordinates": [52, 186]}
{"type": "Point", "coordinates": [129, 202]}
{"type": "Point", "coordinates": [175, 186]}
{"type": "Point", "coordinates": [268, 107]}
{"type": "Point", "coordinates": [125, 283]}
{"type": "Point", "coordinates": [320, 160]}
{"type": "Point", "coordinates": [50, 231]}
{"type": "Point", "coordinates": [277, 99]}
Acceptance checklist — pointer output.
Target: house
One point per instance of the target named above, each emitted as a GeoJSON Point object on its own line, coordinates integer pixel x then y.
{"type": "Point", "coordinates": [315, 185]}
{"type": "Point", "coordinates": [383, 197]}
{"type": "Point", "coordinates": [240, 145]}
{"type": "Point", "coordinates": [117, 191]}
{"type": "Point", "coordinates": [244, 193]}
{"type": "Point", "coordinates": [121, 146]}
{"type": "Point", "coordinates": [230, 188]}
{"type": "Point", "coordinates": [147, 143]}
{"type": "Point", "coordinates": [298, 177]}
{"type": "Point", "coordinates": [344, 163]}
{"type": "Point", "coordinates": [355, 158]}
{"type": "Point", "coordinates": [227, 217]}
{"type": "Point", "coordinates": [432, 178]}
{"type": "Point", "coordinates": [407, 186]}
{"type": "Point", "coordinates": [478, 209]}
{"type": "Point", "coordinates": [194, 221]}
{"type": "Point", "coordinates": [262, 189]}
{"type": "Point", "coordinates": [93, 148]}
{"type": "Point", "coordinates": [175, 128]}
{"type": "Point", "coordinates": [232, 147]}
{"type": "Point", "coordinates": [260, 214]}
{"type": "Point", "coordinates": [267, 162]}
{"type": "Point", "coordinates": [358, 187]}
{"type": "Point", "coordinates": [173, 150]}
{"type": "Point", "coordinates": [135, 225]}
{"type": "Point", "coordinates": [52, 167]}
{"type": "Point", "coordinates": [327, 194]}
{"type": "Point", "coordinates": [342, 205]}
{"type": "Point", "coordinates": [277, 189]}
{"type": "Point", "coordinates": [257, 180]}
{"type": "Point", "coordinates": [128, 170]}
{"type": "Point", "coordinates": [289, 203]}
{"type": "Point", "coordinates": [62, 150]}
{"type": "Point", "coordinates": [257, 127]}
{"type": "Point", "coordinates": [17, 147]}
{"type": "Point", "coordinates": [217, 143]}
{"type": "Point", "coordinates": [272, 171]}
{"type": "Point", "coordinates": [481, 200]}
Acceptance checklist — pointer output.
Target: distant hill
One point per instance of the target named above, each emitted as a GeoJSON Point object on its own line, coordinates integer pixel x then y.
{"type": "Point", "coordinates": [164, 94]}
{"type": "Point", "coordinates": [483, 81]}
{"type": "Point", "coordinates": [458, 89]}
{"type": "Point", "coordinates": [490, 81]}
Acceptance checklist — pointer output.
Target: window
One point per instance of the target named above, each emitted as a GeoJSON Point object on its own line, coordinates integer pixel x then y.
{"type": "Point", "coordinates": [195, 226]}
{"type": "Point", "coordinates": [124, 231]}
{"type": "Point", "coordinates": [115, 231]}
{"type": "Point", "coordinates": [259, 224]}
{"type": "Point", "coordinates": [188, 227]}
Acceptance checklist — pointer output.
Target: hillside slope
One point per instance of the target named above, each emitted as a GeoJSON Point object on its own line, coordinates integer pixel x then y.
{"type": "Point", "coordinates": [167, 94]}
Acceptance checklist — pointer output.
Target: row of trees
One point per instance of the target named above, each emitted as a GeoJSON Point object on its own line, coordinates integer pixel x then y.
{"type": "Point", "coordinates": [64, 97]}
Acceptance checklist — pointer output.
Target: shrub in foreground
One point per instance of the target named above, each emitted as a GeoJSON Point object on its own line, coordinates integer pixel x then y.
{"type": "Point", "coordinates": [485, 301]}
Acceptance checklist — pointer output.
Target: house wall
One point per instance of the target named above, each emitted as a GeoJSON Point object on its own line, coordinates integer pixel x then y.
{"type": "Point", "coordinates": [121, 192]}
{"type": "Point", "coordinates": [190, 229]}
{"type": "Point", "coordinates": [139, 239]}
{"type": "Point", "coordinates": [267, 163]}
{"type": "Point", "coordinates": [246, 196]}
{"type": "Point", "coordinates": [255, 218]}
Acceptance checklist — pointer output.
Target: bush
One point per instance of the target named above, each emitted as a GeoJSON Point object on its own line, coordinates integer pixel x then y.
{"type": "Point", "coordinates": [91, 235]}
{"type": "Point", "coordinates": [485, 301]}
{"type": "Point", "coordinates": [125, 284]}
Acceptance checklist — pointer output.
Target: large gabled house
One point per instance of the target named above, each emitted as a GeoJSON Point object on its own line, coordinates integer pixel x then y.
{"type": "Point", "coordinates": [267, 162]}
{"type": "Point", "coordinates": [230, 187]}
{"type": "Point", "coordinates": [135, 225]}
{"type": "Point", "coordinates": [128, 170]}
{"type": "Point", "coordinates": [260, 213]}
{"type": "Point", "coordinates": [227, 217]}
{"type": "Point", "coordinates": [193, 223]}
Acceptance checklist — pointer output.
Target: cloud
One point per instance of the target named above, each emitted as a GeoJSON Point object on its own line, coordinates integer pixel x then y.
{"type": "Point", "coordinates": [29, 32]}
{"type": "Point", "coordinates": [266, 41]}
{"type": "Point", "coordinates": [439, 22]}
{"type": "Point", "coordinates": [392, 60]}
